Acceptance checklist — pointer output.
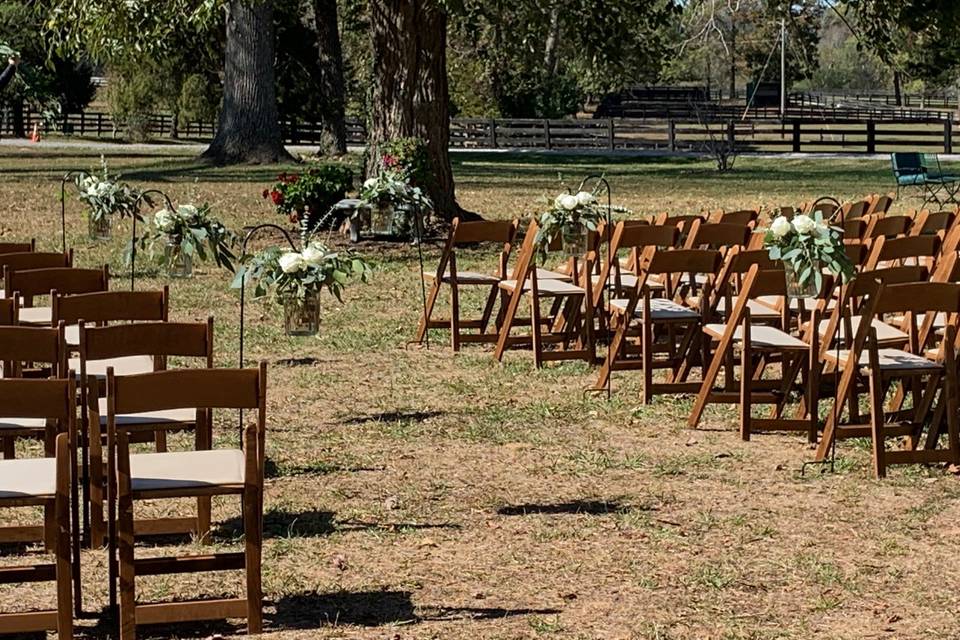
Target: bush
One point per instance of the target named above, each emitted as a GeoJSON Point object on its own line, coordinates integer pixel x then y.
{"type": "Point", "coordinates": [131, 98]}
{"type": "Point", "coordinates": [199, 99]}
{"type": "Point", "coordinates": [531, 93]}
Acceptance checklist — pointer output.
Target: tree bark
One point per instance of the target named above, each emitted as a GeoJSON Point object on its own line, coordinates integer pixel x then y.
{"type": "Point", "coordinates": [410, 92]}
{"type": "Point", "coordinates": [248, 130]}
{"type": "Point", "coordinates": [897, 89]}
{"type": "Point", "coordinates": [733, 57]}
{"type": "Point", "coordinates": [553, 37]}
{"type": "Point", "coordinates": [330, 54]}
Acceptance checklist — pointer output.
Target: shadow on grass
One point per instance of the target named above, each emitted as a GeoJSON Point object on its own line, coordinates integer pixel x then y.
{"type": "Point", "coordinates": [575, 507]}
{"type": "Point", "coordinates": [318, 468]}
{"type": "Point", "coordinates": [280, 523]}
{"type": "Point", "coordinates": [394, 416]}
{"type": "Point", "coordinates": [374, 609]}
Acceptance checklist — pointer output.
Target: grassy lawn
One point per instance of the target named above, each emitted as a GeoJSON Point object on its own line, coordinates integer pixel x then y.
{"type": "Point", "coordinates": [417, 494]}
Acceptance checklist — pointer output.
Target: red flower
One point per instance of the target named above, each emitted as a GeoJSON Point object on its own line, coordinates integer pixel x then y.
{"type": "Point", "coordinates": [293, 178]}
{"type": "Point", "coordinates": [281, 177]}
{"type": "Point", "coordinates": [277, 197]}
{"type": "Point", "coordinates": [389, 161]}
{"type": "Point", "coordinates": [266, 193]}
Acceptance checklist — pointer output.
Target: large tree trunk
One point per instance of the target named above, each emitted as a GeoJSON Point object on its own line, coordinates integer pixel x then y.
{"type": "Point", "coordinates": [410, 92]}
{"type": "Point", "coordinates": [331, 72]}
{"type": "Point", "coordinates": [248, 129]}
{"type": "Point", "coordinates": [897, 89]}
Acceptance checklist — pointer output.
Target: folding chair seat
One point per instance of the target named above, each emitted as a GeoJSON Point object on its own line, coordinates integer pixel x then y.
{"type": "Point", "coordinates": [140, 348]}
{"type": "Point", "coordinates": [33, 283]}
{"type": "Point", "coordinates": [104, 307]}
{"type": "Point", "coordinates": [48, 483]}
{"type": "Point", "coordinates": [569, 321]}
{"type": "Point", "coordinates": [164, 476]}
{"type": "Point", "coordinates": [931, 383]}
{"type": "Point", "coordinates": [652, 333]}
{"type": "Point", "coordinates": [448, 273]}
{"type": "Point", "coordinates": [759, 345]}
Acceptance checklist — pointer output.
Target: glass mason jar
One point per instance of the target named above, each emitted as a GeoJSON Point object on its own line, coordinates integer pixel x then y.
{"type": "Point", "coordinates": [99, 227]}
{"type": "Point", "coordinates": [179, 262]}
{"type": "Point", "coordinates": [574, 237]}
{"type": "Point", "coordinates": [381, 217]}
{"type": "Point", "coordinates": [302, 317]}
{"type": "Point", "coordinates": [795, 289]}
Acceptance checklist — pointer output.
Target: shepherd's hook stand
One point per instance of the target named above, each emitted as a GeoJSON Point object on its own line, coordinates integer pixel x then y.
{"type": "Point", "coordinates": [608, 240]}
{"type": "Point", "coordinates": [133, 229]}
{"type": "Point", "coordinates": [69, 176]}
{"type": "Point", "coordinates": [832, 460]}
{"type": "Point", "coordinates": [418, 223]}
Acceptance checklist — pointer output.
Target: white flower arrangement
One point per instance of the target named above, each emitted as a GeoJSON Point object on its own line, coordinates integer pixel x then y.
{"type": "Point", "coordinates": [193, 231]}
{"type": "Point", "coordinates": [394, 188]}
{"type": "Point", "coordinates": [807, 245]}
{"type": "Point", "coordinates": [105, 195]}
{"type": "Point", "coordinates": [570, 213]}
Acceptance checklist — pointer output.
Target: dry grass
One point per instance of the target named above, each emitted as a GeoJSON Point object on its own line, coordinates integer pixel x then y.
{"type": "Point", "coordinates": [418, 494]}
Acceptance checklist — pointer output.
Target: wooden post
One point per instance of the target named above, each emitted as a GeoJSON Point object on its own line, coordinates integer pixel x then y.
{"type": "Point", "coordinates": [672, 135]}
{"type": "Point", "coordinates": [99, 124]}
{"type": "Point", "coordinates": [796, 136]}
{"type": "Point", "coordinates": [493, 133]}
{"type": "Point", "coordinates": [871, 137]}
{"type": "Point", "coordinates": [546, 133]}
{"type": "Point", "coordinates": [611, 135]}
{"type": "Point", "coordinates": [947, 136]}
{"type": "Point", "coordinates": [82, 123]}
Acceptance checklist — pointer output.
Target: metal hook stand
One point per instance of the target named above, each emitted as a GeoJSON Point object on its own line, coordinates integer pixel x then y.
{"type": "Point", "coordinates": [608, 239]}
{"type": "Point", "coordinates": [418, 223]}
{"type": "Point", "coordinates": [133, 229]}
{"type": "Point", "coordinates": [69, 176]}
{"type": "Point", "coordinates": [831, 461]}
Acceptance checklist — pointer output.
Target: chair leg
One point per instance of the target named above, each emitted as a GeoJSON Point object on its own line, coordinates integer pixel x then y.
{"type": "Point", "coordinates": [536, 331]}
{"type": "Point", "coordinates": [454, 317]}
{"type": "Point", "coordinates": [646, 348]}
{"type": "Point", "coordinates": [253, 535]}
{"type": "Point", "coordinates": [9, 448]}
{"type": "Point", "coordinates": [160, 440]}
{"type": "Point", "coordinates": [508, 316]}
{"type": "Point", "coordinates": [876, 422]}
{"type": "Point", "coordinates": [422, 328]}
{"type": "Point", "coordinates": [746, 383]}
{"type": "Point", "coordinates": [62, 542]}
{"type": "Point", "coordinates": [488, 310]}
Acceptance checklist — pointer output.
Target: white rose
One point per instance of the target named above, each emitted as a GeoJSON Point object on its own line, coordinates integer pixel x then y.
{"type": "Point", "coordinates": [585, 198]}
{"type": "Point", "coordinates": [369, 183]}
{"type": "Point", "coordinates": [780, 227]}
{"type": "Point", "coordinates": [187, 211]}
{"type": "Point", "coordinates": [313, 255]}
{"type": "Point", "coordinates": [163, 220]}
{"type": "Point", "coordinates": [803, 224]}
{"type": "Point", "coordinates": [102, 189]}
{"type": "Point", "coordinates": [291, 262]}
{"type": "Point", "coordinates": [569, 202]}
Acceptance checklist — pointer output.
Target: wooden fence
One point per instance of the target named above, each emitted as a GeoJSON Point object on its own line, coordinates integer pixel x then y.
{"type": "Point", "coordinates": [610, 134]}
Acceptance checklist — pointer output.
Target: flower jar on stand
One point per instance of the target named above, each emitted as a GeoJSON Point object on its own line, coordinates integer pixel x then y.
{"type": "Point", "coordinates": [301, 317]}
{"type": "Point", "coordinates": [381, 216]}
{"type": "Point", "coordinates": [574, 239]}
{"type": "Point", "coordinates": [99, 227]}
{"type": "Point", "coordinates": [179, 262]}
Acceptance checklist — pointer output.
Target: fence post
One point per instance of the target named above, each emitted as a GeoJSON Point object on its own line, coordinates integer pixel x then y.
{"type": "Point", "coordinates": [611, 135]}
{"type": "Point", "coordinates": [99, 124]}
{"type": "Point", "coordinates": [493, 133]}
{"type": "Point", "coordinates": [947, 136]}
{"type": "Point", "coordinates": [731, 133]}
{"type": "Point", "coordinates": [796, 136]}
{"type": "Point", "coordinates": [82, 123]}
{"type": "Point", "coordinates": [871, 137]}
{"type": "Point", "coordinates": [672, 135]}
{"type": "Point", "coordinates": [546, 134]}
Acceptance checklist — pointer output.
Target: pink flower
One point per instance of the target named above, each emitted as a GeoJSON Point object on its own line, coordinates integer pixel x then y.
{"type": "Point", "coordinates": [389, 161]}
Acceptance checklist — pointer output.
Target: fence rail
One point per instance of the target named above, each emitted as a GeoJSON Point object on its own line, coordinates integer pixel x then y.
{"type": "Point", "coordinates": [610, 134]}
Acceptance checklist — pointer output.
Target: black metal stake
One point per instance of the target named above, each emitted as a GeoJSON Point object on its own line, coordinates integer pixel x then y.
{"type": "Point", "coordinates": [607, 230]}
{"type": "Point", "coordinates": [133, 230]}
{"type": "Point", "coordinates": [69, 176]}
{"type": "Point", "coordinates": [418, 222]}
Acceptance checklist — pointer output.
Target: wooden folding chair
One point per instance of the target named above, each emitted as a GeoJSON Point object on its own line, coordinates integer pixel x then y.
{"type": "Point", "coordinates": [667, 326]}
{"type": "Point", "coordinates": [33, 283]}
{"type": "Point", "coordinates": [162, 476]}
{"type": "Point", "coordinates": [569, 325]}
{"type": "Point", "coordinates": [880, 203]}
{"type": "Point", "coordinates": [25, 348]}
{"type": "Point", "coordinates": [926, 222]}
{"type": "Point", "coordinates": [718, 235]}
{"type": "Point", "coordinates": [447, 273]}
{"type": "Point", "coordinates": [130, 349]}
{"type": "Point", "coordinates": [926, 369]}
{"type": "Point", "coordinates": [18, 247]}
{"type": "Point", "coordinates": [30, 259]}
{"type": "Point", "coordinates": [43, 482]}
{"type": "Point", "coordinates": [104, 307]}
{"type": "Point", "coordinates": [886, 252]}
{"type": "Point", "coordinates": [758, 345]}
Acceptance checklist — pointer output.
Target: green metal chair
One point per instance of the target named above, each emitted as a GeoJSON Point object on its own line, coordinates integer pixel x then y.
{"type": "Point", "coordinates": [924, 172]}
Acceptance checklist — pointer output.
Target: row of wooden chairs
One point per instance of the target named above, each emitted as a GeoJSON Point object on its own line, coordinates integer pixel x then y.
{"type": "Point", "coordinates": [107, 351]}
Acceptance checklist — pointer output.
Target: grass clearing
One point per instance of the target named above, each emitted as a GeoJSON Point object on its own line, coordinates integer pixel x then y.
{"type": "Point", "coordinates": [417, 494]}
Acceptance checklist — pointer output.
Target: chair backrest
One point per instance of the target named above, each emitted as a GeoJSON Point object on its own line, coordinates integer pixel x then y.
{"type": "Point", "coordinates": [855, 229]}
{"type": "Point", "coordinates": [188, 389]}
{"type": "Point", "coordinates": [717, 235]}
{"type": "Point", "coordinates": [907, 164]}
{"type": "Point", "coordinates": [683, 261]}
{"type": "Point", "coordinates": [9, 311]}
{"type": "Point", "coordinates": [922, 249]}
{"type": "Point", "coordinates": [927, 222]}
{"type": "Point", "coordinates": [63, 280]}
{"type": "Point", "coordinates": [18, 247]}
{"type": "Point", "coordinates": [35, 260]}
{"type": "Point", "coordinates": [856, 209]}
{"type": "Point", "coordinates": [52, 399]}
{"type": "Point", "coordinates": [881, 204]}
{"type": "Point", "coordinates": [22, 346]}
{"type": "Point", "coordinates": [473, 232]}
{"type": "Point", "coordinates": [158, 339]}
{"type": "Point", "coordinates": [111, 306]}
{"type": "Point", "coordinates": [745, 217]}
{"type": "Point", "coordinates": [886, 226]}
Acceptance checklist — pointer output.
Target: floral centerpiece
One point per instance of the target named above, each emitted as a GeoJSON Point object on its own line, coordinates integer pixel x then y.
{"type": "Point", "coordinates": [105, 195]}
{"type": "Point", "coordinates": [571, 217]}
{"type": "Point", "coordinates": [807, 246]}
{"type": "Point", "coordinates": [394, 193]}
{"type": "Point", "coordinates": [186, 234]}
{"type": "Point", "coordinates": [298, 277]}
{"type": "Point", "coordinates": [306, 198]}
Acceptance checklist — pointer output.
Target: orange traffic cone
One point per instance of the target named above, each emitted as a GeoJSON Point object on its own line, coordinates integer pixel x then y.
{"type": "Point", "coordinates": [35, 136]}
